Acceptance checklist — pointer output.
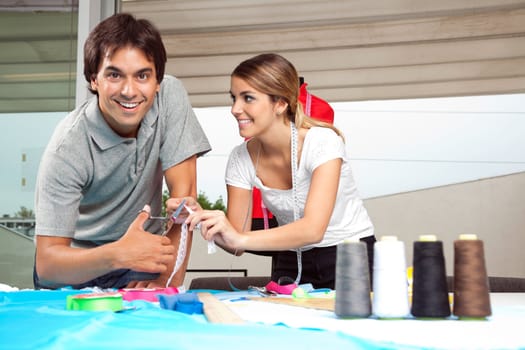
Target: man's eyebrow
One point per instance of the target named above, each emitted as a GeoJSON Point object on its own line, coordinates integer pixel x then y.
{"type": "Point", "coordinates": [145, 70]}
{"type": "Point", "coordinates": [113, 68]}
{"type": "Point", "coordinates": [117, 70]}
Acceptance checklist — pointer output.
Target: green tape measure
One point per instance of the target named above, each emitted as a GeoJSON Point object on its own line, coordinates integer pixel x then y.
{"type": "Point", "coordinates": [95, 302]}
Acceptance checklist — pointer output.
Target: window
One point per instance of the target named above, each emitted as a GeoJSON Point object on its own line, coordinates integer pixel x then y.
{"type": "Point", "coordinates": [38, 50]}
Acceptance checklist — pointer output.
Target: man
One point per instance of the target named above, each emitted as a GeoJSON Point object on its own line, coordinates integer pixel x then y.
{"type": "Point", "coordinates": [106, 162]}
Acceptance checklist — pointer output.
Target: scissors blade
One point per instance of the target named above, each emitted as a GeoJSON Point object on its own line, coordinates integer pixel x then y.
{"type": "Point", "coordinates": [177, 211]}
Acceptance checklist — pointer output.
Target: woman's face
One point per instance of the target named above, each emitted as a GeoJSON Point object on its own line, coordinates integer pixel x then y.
{"type": "Point", "coordinates": [254, 110]}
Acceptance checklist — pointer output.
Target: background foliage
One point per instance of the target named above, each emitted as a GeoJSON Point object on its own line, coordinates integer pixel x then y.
{"type": "Point", "coordinates": [203, 200]}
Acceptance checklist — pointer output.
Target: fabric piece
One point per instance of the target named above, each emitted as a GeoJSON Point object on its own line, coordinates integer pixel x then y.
{"type": "Point", "coordinates": [187, 303]}
{"type": "Point", "coordinates": [285, 289]}
{"type": "Point", "coordinates": [315, 106]}
{"type": "Point", "coordinates": [39, 320]}
{"type": "Point", "coordinates": [147, 294]}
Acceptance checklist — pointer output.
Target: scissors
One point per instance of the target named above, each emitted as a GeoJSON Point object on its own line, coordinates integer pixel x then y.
{"type": "Point", "coordinates": [173, 216]}
{"type": "Point", "coordinates": [177, 211]}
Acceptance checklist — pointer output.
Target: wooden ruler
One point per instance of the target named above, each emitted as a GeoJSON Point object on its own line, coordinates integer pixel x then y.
{"type": "Point", "coordinates": [311, 303]}
{"type": "Point", "coordinates": [216, 311]}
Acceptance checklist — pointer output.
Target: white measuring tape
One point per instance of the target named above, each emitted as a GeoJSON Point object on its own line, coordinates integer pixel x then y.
{"type": "Point", "coordinates": [181, 254]}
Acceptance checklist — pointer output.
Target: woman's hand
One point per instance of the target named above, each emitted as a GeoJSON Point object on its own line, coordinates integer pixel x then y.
{"type": "Point", "coordinates": [215, 226]}
{"type": "Point", "coordinates": [173, 203]}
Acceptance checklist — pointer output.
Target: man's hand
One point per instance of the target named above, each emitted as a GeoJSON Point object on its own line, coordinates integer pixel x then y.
{"type": "Point", "coordinates": [162, 280]}
{"type": "Point", "coordinates": [172, 231]}
{"type": "Point", "coordinates": [142, 251]}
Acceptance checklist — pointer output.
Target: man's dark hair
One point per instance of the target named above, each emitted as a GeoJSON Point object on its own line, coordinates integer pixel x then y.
{"type": "Point", "coordinates": [118, 31]}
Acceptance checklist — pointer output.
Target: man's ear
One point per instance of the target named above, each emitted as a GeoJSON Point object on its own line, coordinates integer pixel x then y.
{"type": "Point", "coordinates": [94, 84]}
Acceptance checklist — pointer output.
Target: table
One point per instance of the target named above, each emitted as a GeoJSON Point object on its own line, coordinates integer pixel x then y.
{"type": "Point", "coordinates": [504, 329]}
{"type": "Point", "coordinates": [38, 320]}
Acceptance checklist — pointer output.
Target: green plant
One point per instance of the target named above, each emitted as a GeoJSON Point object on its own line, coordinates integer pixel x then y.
{"type": "Point", "coordinates": [206, 204]}
{"type": "Point", "coordinates": [202, 199]}
{"type": "Point", "coordinates": [25, 213]}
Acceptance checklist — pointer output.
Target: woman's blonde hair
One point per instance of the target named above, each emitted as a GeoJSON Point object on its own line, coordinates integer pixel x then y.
{"type": "Point", "coordinates": [275, 76]}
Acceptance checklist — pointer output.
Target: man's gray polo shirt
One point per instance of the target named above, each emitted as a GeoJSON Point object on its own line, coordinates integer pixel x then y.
{"type": "Point", "coordinates": [92, 183]}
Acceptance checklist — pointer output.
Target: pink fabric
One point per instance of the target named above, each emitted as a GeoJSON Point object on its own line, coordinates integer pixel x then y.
{"type": "Point", "coordinates": [148, 294]}
{"type": "Point", "coordinates": [286, 289]}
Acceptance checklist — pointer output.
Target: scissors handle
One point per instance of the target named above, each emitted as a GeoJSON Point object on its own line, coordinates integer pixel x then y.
{"type": "Point", "coordinates": [158, 218]}
{"type": "Point", "coordinates": [177, 211]}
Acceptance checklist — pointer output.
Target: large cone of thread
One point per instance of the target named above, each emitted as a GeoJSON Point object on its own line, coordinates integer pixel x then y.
{"type": "Point", "coordinates": [390, 279]}
{"type": "Point", "coordinates": [471, 284]}
{"type": "Point", "coordinates": [429, 286]}
{"type": "Point", "coordinates": [352, 280]}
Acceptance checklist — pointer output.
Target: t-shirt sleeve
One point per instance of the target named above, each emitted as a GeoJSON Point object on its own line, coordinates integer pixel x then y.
{"type": "Point", "coordinates": [325, 145]}
{"type": "Point", "coordinates": [239, 170]}
{"type": "Point", "coordinates": [183, 136]}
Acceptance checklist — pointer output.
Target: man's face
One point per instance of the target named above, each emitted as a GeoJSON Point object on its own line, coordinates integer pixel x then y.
{"type": "Point", "coordinates": [126, 84]}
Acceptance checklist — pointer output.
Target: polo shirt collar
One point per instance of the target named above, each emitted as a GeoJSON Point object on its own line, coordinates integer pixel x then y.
{"type": "Point", "coordinates": [102, 133]}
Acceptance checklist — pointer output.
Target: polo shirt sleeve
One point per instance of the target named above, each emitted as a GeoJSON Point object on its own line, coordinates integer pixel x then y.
{"type": "Point", "coordinates": [183, 135]}
{"type": "Point", "coordinates": [59, 190]}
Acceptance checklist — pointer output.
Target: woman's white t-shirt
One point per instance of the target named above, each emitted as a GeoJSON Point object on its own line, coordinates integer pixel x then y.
{"type": "Point", "coordinates": [349, 217]}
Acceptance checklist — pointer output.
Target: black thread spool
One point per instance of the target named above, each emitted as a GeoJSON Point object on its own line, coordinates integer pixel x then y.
{"type": "Point", "coordinates": [429, 288]}
{"type": "Point", "coordinates": [352, 280]}
{"type": "Point", "coordinates": [471, 284]}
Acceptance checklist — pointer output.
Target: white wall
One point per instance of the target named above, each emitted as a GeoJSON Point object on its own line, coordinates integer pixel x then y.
{"type": "Point", "coordinates": [493, 209]}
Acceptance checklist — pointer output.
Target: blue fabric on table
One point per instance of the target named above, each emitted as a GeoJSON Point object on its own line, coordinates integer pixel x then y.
{"type": "Point", "coordinates": [39, 320]}
{"type": "Point", "coordinates": [187, 303]}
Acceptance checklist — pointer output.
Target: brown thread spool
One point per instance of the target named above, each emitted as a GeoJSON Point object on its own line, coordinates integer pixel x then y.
{"type": "Point", "coordinates": [471, 286]}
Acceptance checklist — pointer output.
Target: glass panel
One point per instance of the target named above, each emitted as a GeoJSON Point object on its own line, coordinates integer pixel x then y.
{"type": "Point", "coordinates": [38, 50]}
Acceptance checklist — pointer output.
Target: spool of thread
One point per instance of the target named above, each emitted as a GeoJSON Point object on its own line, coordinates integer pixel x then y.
{"type": "Point", "coordinates": [352, 280]}
{"type": "Point", "coordinates": [390, 280]}
{"type": "Point", "coordinates": [429, 288]}
{"type": "Point", "coordinates": [471, 284]}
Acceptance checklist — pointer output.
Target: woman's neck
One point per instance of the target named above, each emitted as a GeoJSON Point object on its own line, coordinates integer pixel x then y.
{"type": "Point", "coordinates": [272, 160]}
{"type": "Point", "coordinates": [276, 142]}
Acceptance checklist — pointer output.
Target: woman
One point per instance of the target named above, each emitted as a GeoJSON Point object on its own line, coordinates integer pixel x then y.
{"type": "Point", "coordinates": [299, 165]}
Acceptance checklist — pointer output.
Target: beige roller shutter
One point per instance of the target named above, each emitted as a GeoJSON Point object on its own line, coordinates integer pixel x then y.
{"type": "Point", "coordinates": [347, 50]}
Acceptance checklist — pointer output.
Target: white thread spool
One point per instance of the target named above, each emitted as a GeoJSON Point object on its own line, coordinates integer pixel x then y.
{"type": "Point", "coordinates": [390, 279]}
